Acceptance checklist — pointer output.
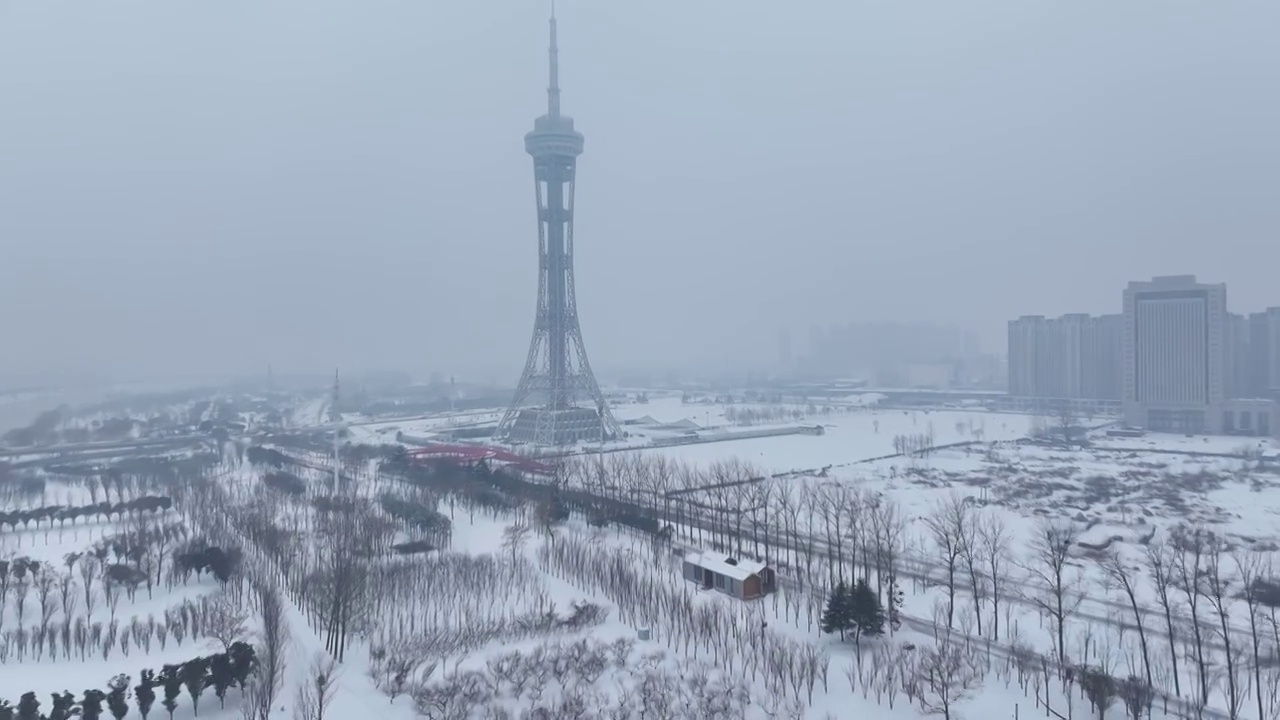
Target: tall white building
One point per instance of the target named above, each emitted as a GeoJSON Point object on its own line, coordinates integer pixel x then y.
{"type": "Point", "coordinates": [1175, 355]}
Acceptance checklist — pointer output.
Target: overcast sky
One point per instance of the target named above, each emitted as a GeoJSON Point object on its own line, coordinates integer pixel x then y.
{"type": "Point", "coordinates": [193, 188]}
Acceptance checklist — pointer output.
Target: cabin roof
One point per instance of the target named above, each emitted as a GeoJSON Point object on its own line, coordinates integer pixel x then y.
{"type": "Point", "coordinates": [721, 564]}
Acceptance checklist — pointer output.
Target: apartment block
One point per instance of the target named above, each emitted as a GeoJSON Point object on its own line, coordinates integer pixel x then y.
{"type": "Point", "coordinates": [1075, 356]}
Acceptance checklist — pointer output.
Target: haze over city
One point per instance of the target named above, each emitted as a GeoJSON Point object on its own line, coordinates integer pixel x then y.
{"type": "Point", "coordinates": [425, 360]}
{"type": "Point", "coordinates": [198, 190]}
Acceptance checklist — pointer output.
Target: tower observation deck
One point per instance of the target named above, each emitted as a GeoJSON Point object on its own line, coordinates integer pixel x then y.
{"type": "Point", "coordinates": [558, 401]}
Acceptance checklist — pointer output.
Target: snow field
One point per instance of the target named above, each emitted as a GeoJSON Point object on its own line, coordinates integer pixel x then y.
{"type": "Point", "coordinates": [499, 622]}
{"type": "Point", "coordinates": [1112, 500]}
{"type": "Point", "coordinates": [97, 622]}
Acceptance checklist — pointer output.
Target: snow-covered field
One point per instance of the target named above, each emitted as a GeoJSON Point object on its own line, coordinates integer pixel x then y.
{"type": "Point", "coordinates": [449, 594]}
{"type": "Point", "coordinates": [849, 436]}
{"type": "Point", "coordinates": [93, 589]}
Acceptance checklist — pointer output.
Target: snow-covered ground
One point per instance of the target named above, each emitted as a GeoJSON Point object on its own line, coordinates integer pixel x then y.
{"type": "Point", "coordinates": [67, 563]}
{"type": "Point", "coordinates": [381, 432]}
{"type": "Point", "coordinates": [849, 437]}
{"type": "Point", "coordinates": [514, 618]}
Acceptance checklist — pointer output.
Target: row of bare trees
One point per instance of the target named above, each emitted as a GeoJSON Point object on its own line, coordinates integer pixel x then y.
{"type": "Point", "coordinates": [218, 617]}
{"type": "Point", "coordinates": [590, 679]}
{"type": "Point", "coordinates": [967, 552]}
{"type": "Point", "coordinates": [734, 637]}
{"type": "Point", "coordinates": [1214, 609]}
{"type": "Point", "coordinates": [819, 532]}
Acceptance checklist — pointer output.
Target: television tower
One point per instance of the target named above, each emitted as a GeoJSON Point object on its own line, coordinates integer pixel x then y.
{"type": "Point", "coordinates": [557, 376]}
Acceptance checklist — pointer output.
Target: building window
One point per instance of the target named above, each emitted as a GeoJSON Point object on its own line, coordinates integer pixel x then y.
{"type": "Point", "coordinates": [1264, 424]}
{"type": "Point", "coordinates": [1246, 420]}
{"type": "Point", "coordinates": [1228, 422]}
{"type": "Point", "coordinates": [1176, 421]}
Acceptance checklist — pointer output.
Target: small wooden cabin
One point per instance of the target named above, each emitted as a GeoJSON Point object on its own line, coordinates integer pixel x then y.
{"type": "Point", "coordinates": [741, 578]}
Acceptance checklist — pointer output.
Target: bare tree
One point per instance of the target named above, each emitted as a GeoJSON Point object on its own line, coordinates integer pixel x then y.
{"type": "Point", "coordinates": [315, 693]}
{"type": "Point", "coordinates": [1065, 423]}
{"type": "Point", "coordinates": [67, 599]}
{"type": "Point", "coordinates": [971, 553]}
{"type": "Point", "coordinates": [89, 567]}
{"type": "Point", "coordinates": [946, 526]}
{"type": "Point", "coordinates": [1160, 565]}
{"type": "Point", "coordinates": [830, 507]}
{"type": "Point", "coordinates": [995, 541]}
{"type": "Point", "coordinates": [45, 583]}
{"type": "Point", "coordinates": [886, 529]}
{"type": "Point", "coordinates": [1136, 696]}
{"type": "Point", "coordinates": [225, 620]}
{"type": "Point", "coordinates": [761, 494]}
{"type": "Point", "coordinates": [1250, 566]}
{"type": "Point", "coordinates": [350, 540]}
{"type": "Point", "coordinates": [1123, 576]}
{"type": "Point", "coordinates": [514, 537]}
{"type": "Point", "coordinates": [273, 644]}
{"type": "Point", "coordinates": [789, 513]}
{"type": "Point", "coordinates": [944, 675]}
{"type": "Point", "coordinates": [1099, 687]}
{"type": "Point", "coordinates": [1189, 548]}
{"type": "Point", "coordinates": [1049, 566]}
{"type": "Point", "coordinates": [1215, 589]}
{"type": "Point", "coordinates": [5, 583]}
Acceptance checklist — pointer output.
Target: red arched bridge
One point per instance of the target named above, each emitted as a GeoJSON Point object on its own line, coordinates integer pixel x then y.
{"type": "Point", "coordinates": [476, 453]}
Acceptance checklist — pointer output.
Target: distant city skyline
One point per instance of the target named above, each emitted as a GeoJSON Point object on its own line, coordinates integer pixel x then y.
{"type": "Point", "coordinates": [1183, 361]}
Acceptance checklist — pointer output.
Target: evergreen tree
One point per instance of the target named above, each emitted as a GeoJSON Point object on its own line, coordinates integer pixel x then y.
{"type": "Point", "coordinates": [91, 704]}
{"type": "Point", "coordinates": [171, 681]}
{"type": "Point", "coordinates": [866, 615]}
{"type": "Point", "coordinates": [145, 692]}
{"type": "Point", "coordinates": [836, 617]}
{"type": "Point", "coordinates": [7, 711]}
{"type": "Point", "coordinates": [220, 676]}
{"type": "Point", "coordinates": [28, 707]}
{"type": "Point", "coordinates": [243, 662]}
{"type": "Point", "coordinates": [894, 609]}
{"type": "Point", "coordinates": [117, 701]}
{"type": "Point", "coordinates": [194, 674]}
{"type": "Point", "coordinates": [62, 704]}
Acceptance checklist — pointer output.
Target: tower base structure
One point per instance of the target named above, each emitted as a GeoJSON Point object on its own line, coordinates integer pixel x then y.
{"type": "Point", "coordinates": [544, 426]}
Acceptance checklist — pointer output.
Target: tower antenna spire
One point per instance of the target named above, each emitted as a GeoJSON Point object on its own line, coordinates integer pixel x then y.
{"type": "Point", "coordinates": [553, 90]}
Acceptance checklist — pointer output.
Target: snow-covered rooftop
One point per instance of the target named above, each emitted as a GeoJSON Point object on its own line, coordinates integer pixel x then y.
{"type": "Point", "coordinates": [721, 564]}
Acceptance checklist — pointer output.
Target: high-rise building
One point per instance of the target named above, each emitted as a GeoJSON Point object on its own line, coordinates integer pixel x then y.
{"type": "Point", "coordinates": [1024, 334]}
{"type": "Point", "coordinates": [1264, 353]}
{"type": "Point", "coordinates": [1102, 350]}
{"type": "Point", "coordinates": [1075, 356]}
{"type": "Point", "coordinates": [786, 362]}
{"type": "Point", "coordinates": [1175, 354]}
{"type": "Point", "coordinates": [1239, 381]}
